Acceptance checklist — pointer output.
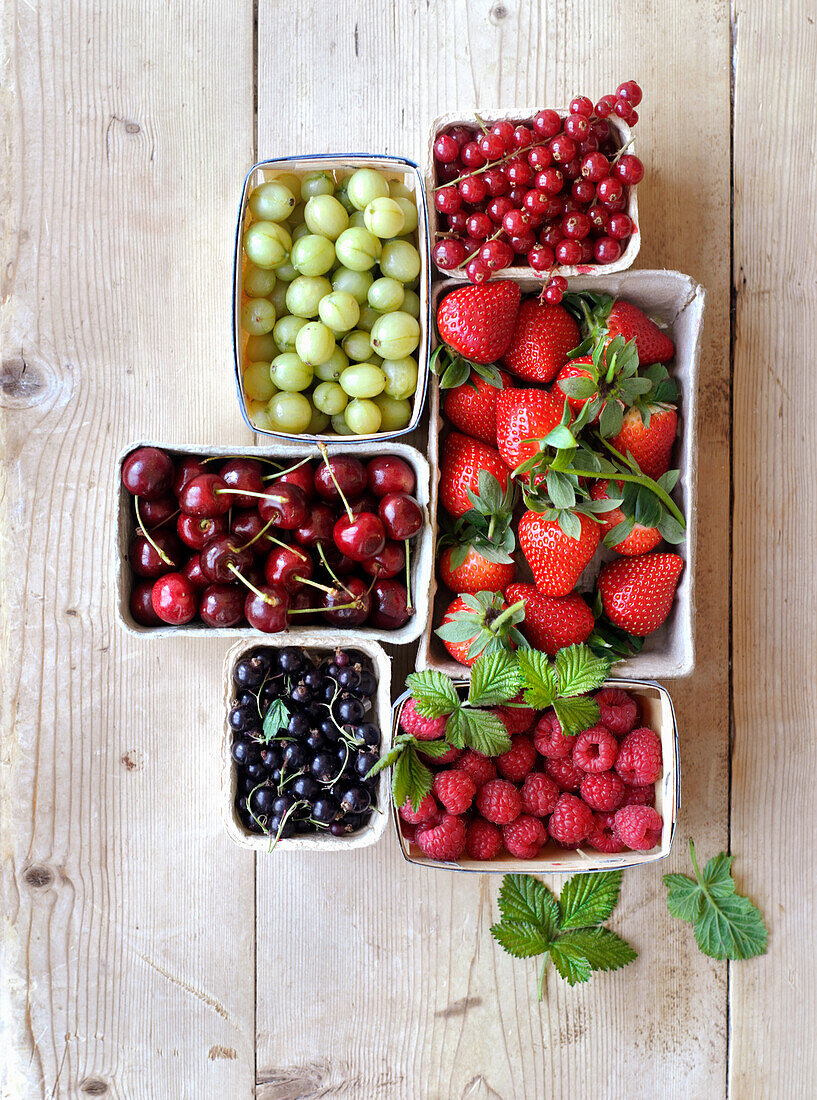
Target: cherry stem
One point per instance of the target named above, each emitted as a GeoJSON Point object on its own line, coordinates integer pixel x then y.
{"type": "Point", "coordinates": [223, 458]}
{"type": "Point", "coordinates": [290, 470]}
{"type": "Point", "coordinates": [315, 584]}
{"type": "Point", "coordinates": [409, 604]}
{"type": "Point", "coordinates": [266, 526]}
{"type": "Point", "coordinates": [330, 570]}
{"type": "Point", "coordinates": [144, 529]}
{"type": "Point", "coordinates": [324, 453]}
{"type": "Point", "coordinates": [249, 584]}
{"type": "Point", "coordinates": [313, 610]}
{"type": "Point", "coordinates": [245, 493]}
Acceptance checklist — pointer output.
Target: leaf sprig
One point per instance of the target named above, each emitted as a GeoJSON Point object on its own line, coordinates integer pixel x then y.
{"type": "Point", "coordinates": [566, 930]}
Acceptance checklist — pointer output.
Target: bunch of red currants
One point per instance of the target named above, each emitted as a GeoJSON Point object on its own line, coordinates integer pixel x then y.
{"type": "Point", "coordinates": [245, 541]}
{"type": "Point", "coordinates": [550, 191]}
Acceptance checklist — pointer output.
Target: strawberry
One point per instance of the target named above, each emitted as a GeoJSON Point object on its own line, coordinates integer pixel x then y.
{"type": "Point", "coordinates": [462, 460]}
{"type": "Point", "coordinates": [484, 623]}
{"type": "Point", "coordinates": [639, 539]}
{"type": "Point", "coordinates": [648, 433]}
{"type": "Point", "coordinates": [478, 321]}
{"type": "Point", "coordinates": [471, 407]}
{"type": "Point", "coordinates": [475, 573]}
{"type": "Point", "coordinates": [523, 419]}
{"type": "Point", "coordinates": [578, 368]}
{"type": "Point", "coordinates": [625, 319]}
{"type": "Point", "coordinates": [557, 560]}
{"type": "Point", "coordinates": [550, 624]}
{"type": "Point", "coordinates": [637, 593]}
{"type": "Point", "coordinates": [601, 385]}
{"type": "Point", "coordinates": [542, 339]}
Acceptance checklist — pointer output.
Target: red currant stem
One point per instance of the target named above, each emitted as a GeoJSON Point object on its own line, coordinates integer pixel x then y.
{"type": "Point", "coordinates": [409, 604]}
{"type": "Point", "coordinates": [636, 479]}
{"type": "Point", "coordinates": [621, 151]}
{"type": "Point", "coordinates": [324, 453]}
{"type": "Point", "coordinates": [498, 233]}
{"type": "Point", "coordinates": [246, 545]}
{"type": "Point", "coordinates": [330, 570]}
{"type": "Point", "coordinates": [289, 470]}
{"type": "Point", "coordinates": [482, 124]}
{"type": "Point", "coordinates": [500, 620]}
{"type": "Point", "coordinates": [249, 584]}
{"type": "Point", "coordinates": [144, 529]}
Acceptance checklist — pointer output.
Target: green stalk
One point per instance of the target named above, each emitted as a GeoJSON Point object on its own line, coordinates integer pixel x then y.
{"type": "Point", "coordinates": [507, 613]}
{"type": "Point", "coordinates": [637, 479]}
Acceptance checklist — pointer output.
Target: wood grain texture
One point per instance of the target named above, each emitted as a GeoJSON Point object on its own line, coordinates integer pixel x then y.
{"type": "Point", "coordinates": [773, 999]}
{"type": "Point", "coordinates": [129, 917]}
{"type": "Point", "coordinates": [390, 970]}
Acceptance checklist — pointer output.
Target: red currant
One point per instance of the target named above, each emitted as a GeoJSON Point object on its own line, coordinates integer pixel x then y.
{"type": "Point", "coordinates": [605, 106]}
{"type": "Point", "coordinates": [456, 222]}
{"type": "Point", "coordinates": [583, 191]}
{"type": "Point", "coordinates": [496, 182]}
{"type": "Point", "coordinates": [448, 172]}
{"type": "Point", "coordinates": [595, 166]}
{"type": "Point", "coordinates": [517, 194]}
{"type": "Point", "coordinates": [478, 271]}
{"type": "Point", "coordinates": [569, 252]}
{"type": "Point", "coordinates": [551, 236]}
{"type": "Point", "coordinates": [621, 227]}
{"type": "Point", "coordinates": [522, 137]}
{"type": "Point", "coordinates": [539, 158]}
{"type": "Point", "coordinates": [581, 105]}
{"type": "Point", "coordinates": [599, 219]}
{"type": "Point", "coordinates": [446, 148]}
{"type": "Point", "coordinates": [479, 226]}
{"type": "Point", "coordinates": [448, 253]}
{"type": "Point", "coordinates": [560, 282]}
{"type": "Point", "coordinates": [629, 169]}
{"type": "Point", "coordinates": [461, 134]}
{"type": "Point", "coordinates": [609, 190]}
{"type": "Point", "coordinates": [491, 146]}
{"type": "Point", "coordinates": [541, 257]}
{"type": "Point", "coordinates": [630, 91]}
{"type": "Point", "coordinates": [497, 208]}
{"type": "Point", "coordinates": [516, 222]}
{"type": "Point", "coordinates": [473, 189]}
{"type": "Point", "coordinates": [576, 225]}
{"type": "Point", "coordinates": [547, 124]}
{"type": "Point", "coordinates": [518, 171]}
{"type": "Point", "coordinates": [536, 202]}
{"type": "Point", "coordinates": [606, 250]}
{"type": "Point", "coordinates": [587, 251]}
{"type": "Point", "coordinates": [496, 254]}
{"type": "Point", "coordinates": [600, 129]}
{"type": "Point", "coordinates": [553, 295]}
{"type": "Point", "coordinates": [504, 131]}
{"type": "Point", "coordinates": [623, 109]}
{"type": "Point", "coordinates": [554, 207]}
{"type": "Point", "coordinates": [471, 155]}
{"type": "Point", "coordinates": [617, 206]}
{"type": "Point", "coordinates": [563, 148]}
{"type": "Point", "coordinates": [447, 200]}
{"type": "Point", "coordinates": [471, 246]}
{"type": "Point", "coordinates": [550, 181]}
{"type": "Point", "coordinates": [577, 126]}
{"type": "Point", "coordinates": [589, 145]}
{"type": "Point", "coordinates": [633, 119]}
{"type": "Point", "coordinates": [572, 169]}
{"type": "Point", "coordinates": [524, 243]}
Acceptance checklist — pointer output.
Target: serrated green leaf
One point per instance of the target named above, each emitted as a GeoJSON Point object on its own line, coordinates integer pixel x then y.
{"type": "Point", "coordinates": [519, 938]}
{"type": "Point", "coordinates": [579, 670]}
{"type": "Point", "coordinates": [434, 693]}
{"type": "Point", "coordinates": [525, 898]}
{"type": "Point", "coordinates": [391, 757]}
{"type": "Point", "coordinates": [495, 678]}
{"type": "Point", "coordinates": [570, 963]}
{"type": "Point", "coordinates": [611, 419]}
{"type": "Point", "coordinates": [485, 732]}
{"type": "Point", "coordinates": [538, 678]}
{"type": "Point", "coordinates": [576, 715]}
{"type": "Point", "coordinates": [411, 779]}
{"type": "Point", "coordinates": [684, 897]}
{"type": "Point", "coordinates": [588, 900]}
{"type": "Point", "coordinates": [275, 719]}
{"type": "Point", "coordinates": [456, 729]}
{"type": "Point", "coordinates": [433, 749]}
{"type": "Point", "coordinates": [601, 948]}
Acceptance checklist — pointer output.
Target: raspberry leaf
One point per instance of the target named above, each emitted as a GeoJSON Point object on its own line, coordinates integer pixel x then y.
{"type": "Point", "coordinates": [275, 719]}
{"type": "Point", "coordinates": [495, 678]}
{"type": "Point", "coordinates": [433, 748]}
{"type": "Point", "coordinates": [485, 732]}
{"type": "Point", "coordinates": [538, 677]}
{"type": "Point", "coordinates": [580, 670]}
{"type": "Point", "coordinates": [600, 949]}
{"type": "Point", "coordinates": [569, 962]}
{"type": "Point", "coordinates": [525, 898]}
{"type": "Point", "coordinates": [434, 693]}
{"type": "Point", "coordinates": [456, 729]}
{"type": "Point", "coordinates": [411, 779]}
{"type": "Point", "coordinates": [520, 939]}
{"type": "Point", "coordinates": [727, 925]}
{"type": "Point", "coordinates": [587, 900]}
{"type": "Point", "coordinates": [576, 715]}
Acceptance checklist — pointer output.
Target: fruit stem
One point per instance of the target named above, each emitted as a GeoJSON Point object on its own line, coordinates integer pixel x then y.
{"type": "Point", "coordinates": [507, 613]}
{"type": "Point", "coordinates": [542, 974]}
{"type": "Point", "coordinates": [325, 455]}
{"type": "Point", "coordinates": [266, 526]}
{"type": "Point", "coordinates": [330, 570]}
{"type": "Point", "coordinates": [636, 479]}
{"type": "Point", "coordinates": [289, 470]}
{"type": "Point", "coordinates": [473, 254]}
{"type": "Point", "coordinates": [409, 604]}
{"type": "Point", "coordinates": [315, 610]}
{"type": "Point", "coordinates": [315, 584]}
{"type": "Point", "coordinates": [249, 584]}
{"type": "Point", "coordinates": [144, 530]}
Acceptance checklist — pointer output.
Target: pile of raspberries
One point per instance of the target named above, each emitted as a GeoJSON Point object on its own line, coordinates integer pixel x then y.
{"type": "Point", "coordinates": [596, 789]}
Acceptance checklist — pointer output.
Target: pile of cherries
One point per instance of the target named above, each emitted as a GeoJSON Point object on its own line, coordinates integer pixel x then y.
{"type": "Point", "coordinates": [308, 774]}
{"type": "Point", "coordinates": [248, 541]}
{"type": "Point", "coordinates": [550, 191]}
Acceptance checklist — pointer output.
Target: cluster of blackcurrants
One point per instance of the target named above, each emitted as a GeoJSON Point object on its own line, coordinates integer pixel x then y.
{"type": "Point", "coordinates": [251, 541]}
{"type": "Point", "coordinates": [308, 775]}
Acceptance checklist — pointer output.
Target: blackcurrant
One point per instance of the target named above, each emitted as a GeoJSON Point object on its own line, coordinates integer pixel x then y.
{"type": "Point", "coordinates": [348, 678]}
{"type": "Point", "coordinates": [241, 717]}
{"type": "Point", "coordinates": [355, 800]}
{"type": "Point", "coordinates": [291, 659]}
{"type": "Point", "coordinates": [251, 670]}
{"type": "Point", "coordinates": [256, 771]}
{"type": "Point", "coordinates": [298, 725]}
{"type": "Point", "coordinates": [324, 767]}
{"type": "Point", "coordinates": [368, 733]}
{"type": "Point", "coordinates": [295, 757]}
{"type": "Point", "coordinates": [325, 810]}
{"type": "Point", "coordinates": [261, 800]}
{"type": "Point", "coordinates": [364, 763]}
{"type": "Point", "coordinates": [367, 683]}
{"type": "Point", "coordinates": [349, 709]}
{"type": "Point", "coordinates": [305, 787]}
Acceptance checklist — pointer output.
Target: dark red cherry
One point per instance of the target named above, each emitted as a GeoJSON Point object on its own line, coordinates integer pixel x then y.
{"type": "Point", "coordinates": [148, 472]}
{"type": "Point", "coordinates": [337, 562]}
{"type": "Point", "coordinates": [243, 473]}
{"type": "Point", "coordinates": [303, 477]}
{"type": "Point", "coordinates": [303, 601]}
{"type": "Point", "coordinates": [267, 612]}
{"type": "Point", "coordinates": [174, 599]}
{"type": "Point", "coordinates": [389, 605]}
{"type": "Point", "coordinates": [154, 512]}
{"type": "Point", "coordinates": [218, 555]}
{"type": "Point", "coordinates": [347, 604]}
{"type": "Point", "coordinates": [286, 505]}
{"type": "Point", "coordinates": [206, 495]}
{"type": "Point", "coordinates": [390, 474]}
{"type": "Point", "coordinates": [141, 605]}
{"type": "Point", "coordinates": [288, 566]}
{"type": "Point", "coordinates": [361, 537]}
{"type": "Point", "coordinates": [194, 574]}
{"type": "Point", "coordinates": [186, 470]}
{"type": "Point", "coordinates": [350, 474]}
{"type": "Point", "coordinates": [388, 563]}
{"type": "Point", "coordinates": [195, 531]}
{"type": "Point", "coordinates": [145, 561]}
{"type": "Point", "coordinates": [318, 526]}
{"type": "Point", "coordinates": [245, 526]}
{"type": "Point", "coordinates": [401, 514]}
{"type": "Point", "coordinates": [367, 503]}
{"type": "Point", "coordinates": [222, 605]}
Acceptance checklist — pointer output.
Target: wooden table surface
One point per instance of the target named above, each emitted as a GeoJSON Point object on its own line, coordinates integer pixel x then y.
{"type": "Point", "coordinates": [145, 955]}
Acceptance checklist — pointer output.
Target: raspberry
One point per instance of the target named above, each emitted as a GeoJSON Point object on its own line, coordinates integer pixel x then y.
{"type": "Point", "coordinates": [539, 794]}
{"type": "Point", "coordinates": [447, 757]}
{"type": "Point", "coordinates": [524, 837]}
{"type": "Point", "coordinates": [639, 759]}
{"type": "Point", "coordinates": [571, 821]}
{"type": "Point", "coordinates": [499, 801]}
{"type": "Point", "coordinates": [480, 768]}
{"type": "Point", "coordinates": [455, 789]}
{"type": "Point", "coordinates": [408, 831]}
{"type": "Point", "coordinates": [424, 729]}
{"type": "Point", "coordinates": [603, 792]}
{"type": "Point", "coordinates": [483, 840]}
{"type": "Point", "coordinates": [604, 837]}
{"type": "Point", "coordinates": [515, 719]}
{"type": "Point", "coordinates": [618, 711]}
{"type": "Point", "coordinates": [427, 812]}
{"type": "Point", "coordinates": [565, 774]}
{"type": "Point", "coordinates": [595, 750]}
{"type": "Point", "coordinates": [518, 760]}
{"type": "Point", "coordinates": [549, 739]}
{"type": "Point", "coordinates": [639, 827]}
{"type": "Point", "coordinates": [639, 796]}
{"type": "Point", "coordinates": [445, 841]}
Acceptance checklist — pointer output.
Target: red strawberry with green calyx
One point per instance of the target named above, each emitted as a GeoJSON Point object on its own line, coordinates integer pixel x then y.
{"type": "Point", "coordinates": [550, 623]}
{"type": "Point", "coordinates": [471, 407]}
{"type": "Point", "coordinates": [476, 549]}
{"type": "Point", "coordinates": [478, 321]}
{"type": "Point", "coordinates": [460, 465]}
{"type": "Point", "coordinates": [483, 623]}
{"type": "Point", "coordinates": [542, 340]}
{"type": "Point", "coordinates": [600, 386]}
{"type": "Point", "coordinates": [465, 570]}
{"type": "Point", "coordinates": [605, 318]}
{"type": "Point", "coordinates": [647, 434]}
{"type": "Point", "coordinates": [637, 593]}
{"type": "Point", "coordinates": [620, 531]}
{"type": "Point", "coordinates": [523, 419]}
{"type": "Point", "coordinates": [556, 557]}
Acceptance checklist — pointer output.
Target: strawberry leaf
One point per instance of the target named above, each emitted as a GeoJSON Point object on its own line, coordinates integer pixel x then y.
{"type": "Point", "coordinates": [560, 436]}
{"type": "Point", "coordinates": [671, 530]}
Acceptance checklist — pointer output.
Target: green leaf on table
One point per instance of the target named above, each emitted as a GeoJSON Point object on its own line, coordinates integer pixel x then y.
{"type": "Point", "coordinates": [276, 718]}
{"type": "Point", "coordinates": [727, 925]}
{"type": "Point", "coordinates": [588, 949]}
{"type": "Point", "coordinates": [539, 680]}
{"type": "Point", "coordinates": [434, 693]}
{"type": "Point", "coordinates": [587, 900]}
{"type": "Point", "coordinates": [579, 670]}
{"type": "Point", "coordinates": [520, 939]}
{"type": "Point", "coordinates": [525, 898]}
{"type": "Point", "coordinates": [495, 678]}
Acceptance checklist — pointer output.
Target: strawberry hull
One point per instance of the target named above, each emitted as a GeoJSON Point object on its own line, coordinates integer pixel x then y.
{"type": "Point", "coordinates": [658, 713]}
{"type": "Point", "coordinates": [678, 301]}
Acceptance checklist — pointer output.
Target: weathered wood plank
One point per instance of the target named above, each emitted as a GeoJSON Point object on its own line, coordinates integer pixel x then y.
{"type": "Point", "coordinates": [772, 999]}
{"type": "Point", "coordinates": [130, 926]}
{"type": "Point", "coordinates": [390, 970]}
